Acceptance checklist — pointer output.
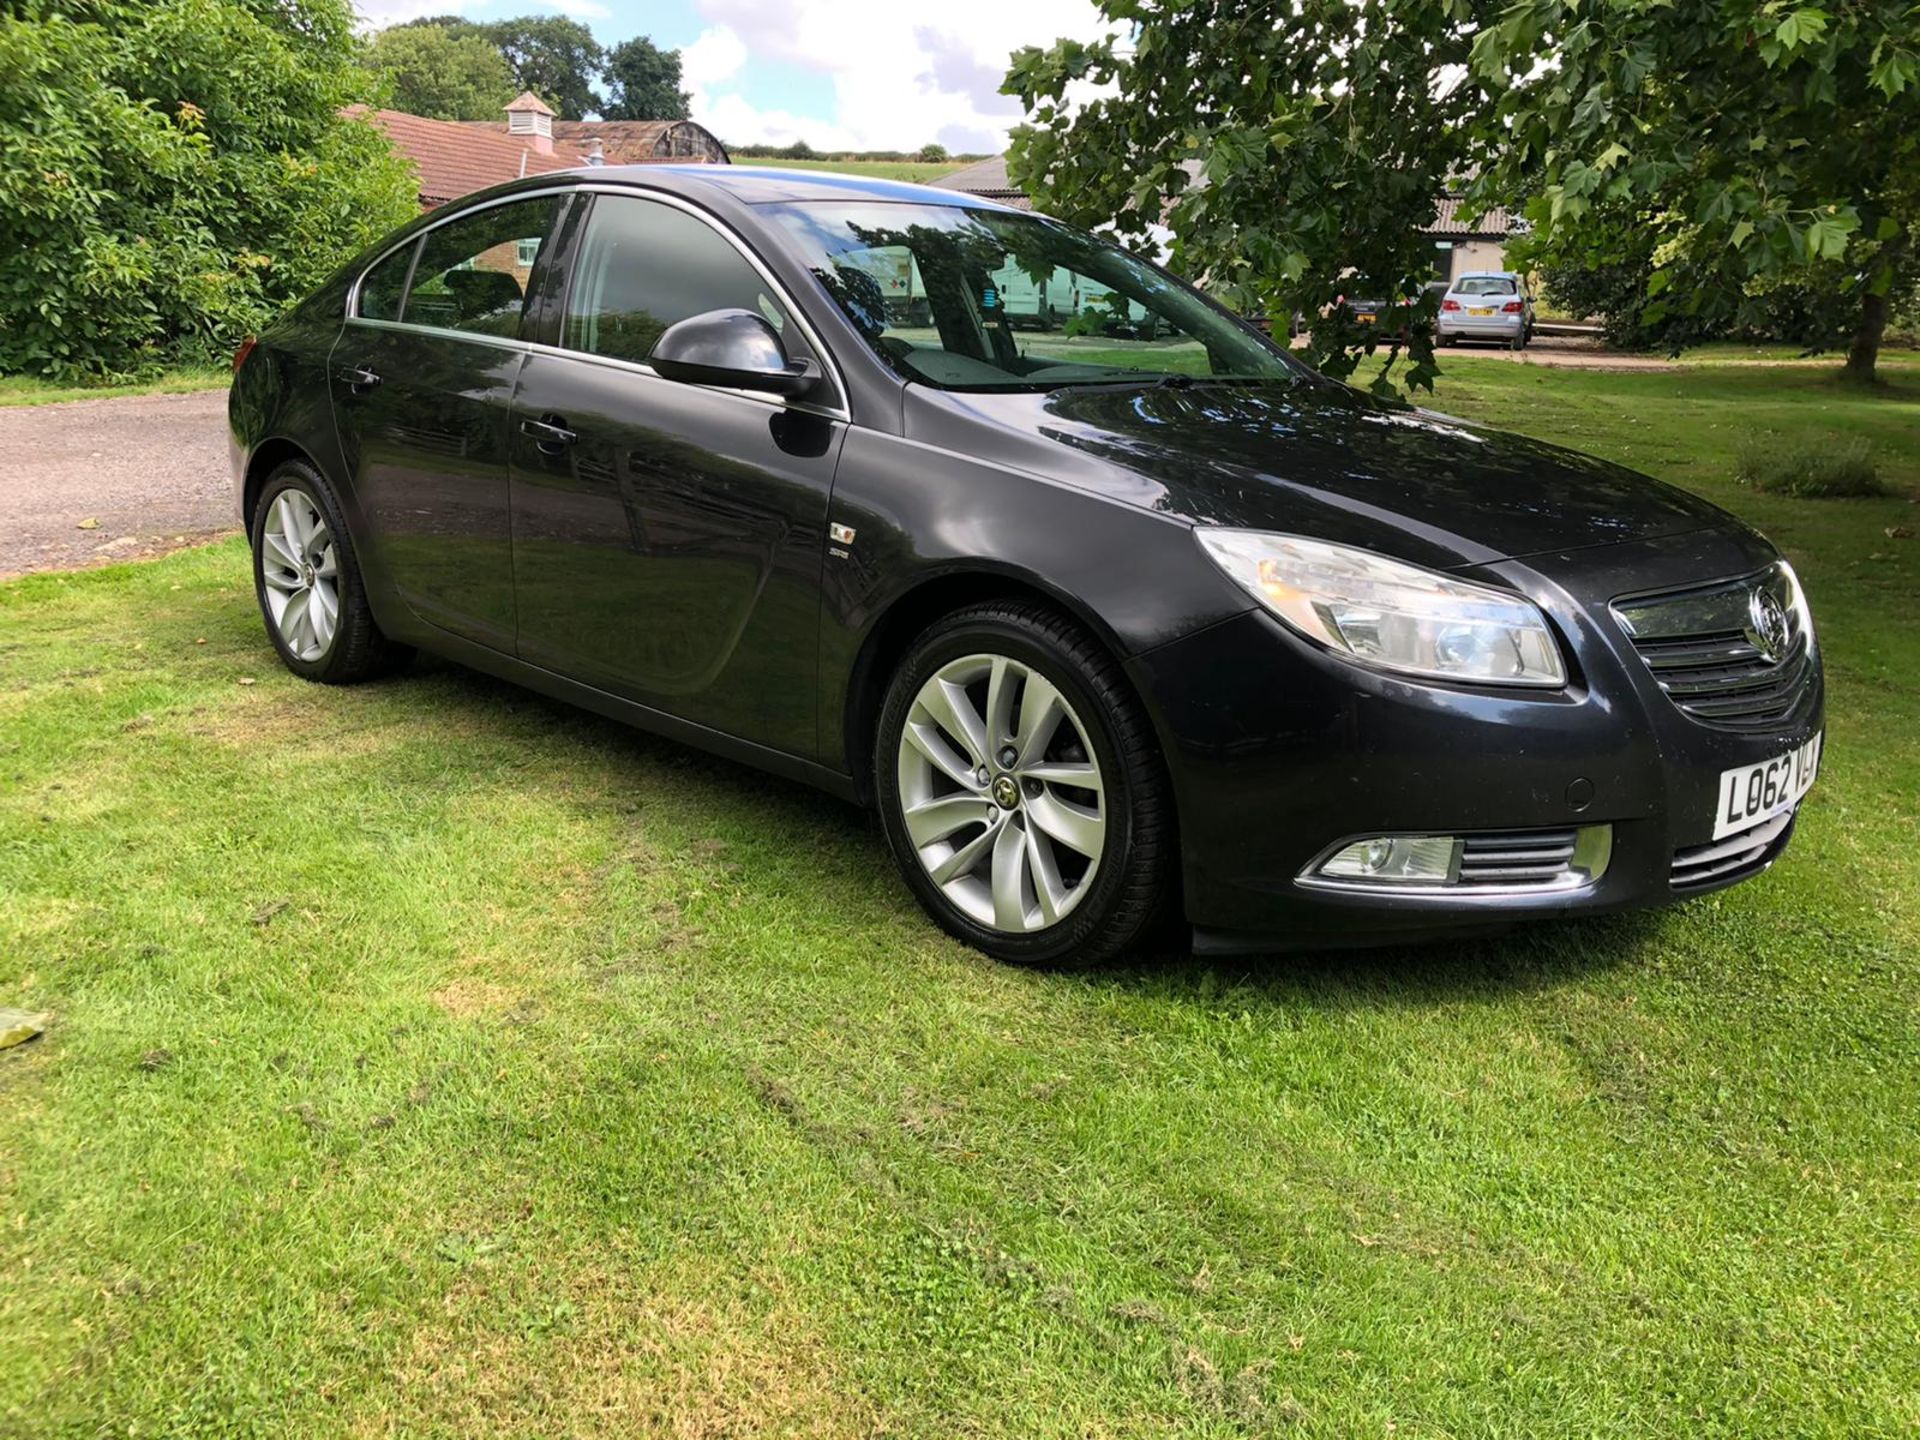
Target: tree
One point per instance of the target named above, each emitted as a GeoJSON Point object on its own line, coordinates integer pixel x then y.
{"type": "Point", "coordinates": [1759, 142]}
{"type": "Point", "coordinates": [931, 154]}
{"type": "Point", "coordinates": [187, 173]}
{"type": "Point", "coordinates": [644, 83]}
{"type": "Point", "coordinates": [436, 72]}
{"type": "Point", "coordinates": [554, 57]}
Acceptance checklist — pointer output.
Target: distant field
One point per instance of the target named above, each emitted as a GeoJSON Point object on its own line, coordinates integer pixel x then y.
{"type": "Point", "coordinates": [910, 170]}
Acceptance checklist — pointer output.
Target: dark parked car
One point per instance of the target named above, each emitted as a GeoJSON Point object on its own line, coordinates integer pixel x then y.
{"type": "Point", "coordinates": [1110, 631]}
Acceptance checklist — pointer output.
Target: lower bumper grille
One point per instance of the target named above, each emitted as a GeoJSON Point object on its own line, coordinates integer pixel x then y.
{"type": "Point", "coordinates": [1520, 857]}
{"type": "Point", "coordinates": [1731, 858]}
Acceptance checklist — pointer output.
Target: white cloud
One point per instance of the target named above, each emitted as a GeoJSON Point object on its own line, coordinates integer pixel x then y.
{"type": "Point", "coordinates": [904, 72]}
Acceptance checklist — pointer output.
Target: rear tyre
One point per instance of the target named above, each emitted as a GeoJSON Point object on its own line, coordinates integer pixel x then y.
{"type": "Point", "coordinates": [309, 585]}
{"type": "Point", "coordinates": [1021, 789]}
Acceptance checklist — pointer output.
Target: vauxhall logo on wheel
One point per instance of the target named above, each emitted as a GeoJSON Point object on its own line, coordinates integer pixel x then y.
{"type": "Point", "coordinates": [1767, 626]}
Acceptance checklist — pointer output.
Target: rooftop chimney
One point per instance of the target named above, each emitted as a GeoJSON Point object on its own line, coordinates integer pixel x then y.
{"type": "Point", "coordinates": [529, 116]}
{"type": "Point", "coordinates": [596, 152]}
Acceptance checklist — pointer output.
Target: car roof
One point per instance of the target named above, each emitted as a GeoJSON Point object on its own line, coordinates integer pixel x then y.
{"type": "Point", "coordinates": [770, 185]}
{"type": "Point", "coordinates": [1488, 275]}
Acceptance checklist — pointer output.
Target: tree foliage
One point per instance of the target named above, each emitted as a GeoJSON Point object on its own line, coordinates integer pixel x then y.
{"type": "Point", "coordinates": [556, 58]}
{"type": "Point", "coordinates": [174, 172]}
{"type": "Point", "coordinates": [643, 83]}
{"type": "Point", "coordinates": [433, 71]}
{"type": "Point", "coordinates": [1756, 142]}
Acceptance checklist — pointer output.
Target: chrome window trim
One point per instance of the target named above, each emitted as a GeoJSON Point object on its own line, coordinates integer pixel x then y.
{"type": "Point", "coordinates": [638, 367]}
{"type": "Point", "coordinates": [829, 364]}
{"type": "Point", "coordinates": [353, 290]}
{"type": "Point", "coordinates": [498, 342]}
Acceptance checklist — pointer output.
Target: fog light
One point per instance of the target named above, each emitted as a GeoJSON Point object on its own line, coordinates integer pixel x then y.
{"type": "Point", "coordinates": [1395, 860]}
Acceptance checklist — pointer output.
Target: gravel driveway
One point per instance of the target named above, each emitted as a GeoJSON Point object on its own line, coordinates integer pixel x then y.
{"type": "Point", "coordinates": [150, 469]}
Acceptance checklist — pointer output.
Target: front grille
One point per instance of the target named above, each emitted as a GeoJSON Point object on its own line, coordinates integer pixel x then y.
{"type": "Point", "coordinates": [1704, 650]}
{"type": "Point", "coordinates": [1733, 857]}
{"type": "Point", "coordinates": [1520, 857]}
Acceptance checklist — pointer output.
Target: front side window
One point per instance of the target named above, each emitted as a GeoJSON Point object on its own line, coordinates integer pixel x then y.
{"type": "Point", "coordinates": [473, 272]}
{"type": "Point", "coordinates": [383, 286]}
{"type": "Point", "coordinates": [969, 299]}
{"type": "Point", "coordinates": [645, 266]}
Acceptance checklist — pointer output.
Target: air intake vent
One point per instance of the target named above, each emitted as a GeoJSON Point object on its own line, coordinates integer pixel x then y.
{"type": "Point", "coordinates": [1736, 655]}
{"type": "Point", "coordinates": [1519, 857]}
{"type": "Point", "coordinates": [1733, 858]}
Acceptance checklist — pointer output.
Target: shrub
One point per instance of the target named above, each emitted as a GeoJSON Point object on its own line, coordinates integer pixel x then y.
{"type": "Point", "coordinates": [175, 172]}
{"type": "Point", "coordinates": [1841, 467]}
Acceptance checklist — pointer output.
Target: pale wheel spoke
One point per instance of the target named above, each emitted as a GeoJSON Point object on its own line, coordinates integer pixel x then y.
{"type": "Point", "coordinates": [1072, 825]}
{"type": "Point", "coordinates": [1047, 887]}
{"type": "Point", "coordinates": [1000, 698]}
{"type": "Point", "coordinates": [950, 708]}
{"type": "Point", "coordinates": [937, 819]}
{"type": "Point", "coordinates": [293, 524]}
{"type": "Point", "coordinates": [1040, 712]}
{"type": "Point", "coordinates": [1009, 879]}
{"type": "Point", "coordinates": [1065, 772]}
{"type": "Point", "coordinates": [293, 621]}
{"type": "Point", "coordinates": [329, 566]}
{"type": "Point", "coordinates": [964, 860]}
{"type": "Point", "coordinates": [321, 616]}
{"type": "Point", "coordinates": [278, 552]}
{"type": "Point", "coordinates": [274, 579]}
{"type": "Point", "coordinates": [929, 742]}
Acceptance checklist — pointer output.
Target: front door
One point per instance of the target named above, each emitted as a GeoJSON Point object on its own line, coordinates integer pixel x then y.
{"type": "Point", "coordinates": [422, 380]}
{"type": "Point", "coordinates": [668, 537]}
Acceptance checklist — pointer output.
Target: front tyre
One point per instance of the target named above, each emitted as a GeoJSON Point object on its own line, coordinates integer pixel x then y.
{"type": "Point", "coordinates": [309, 585]}
{"type": "Point", "coordinates": [1021, 789]}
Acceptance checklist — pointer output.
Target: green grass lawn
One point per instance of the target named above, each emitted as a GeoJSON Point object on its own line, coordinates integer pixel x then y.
{"type": "Point", "coordinates": [31, 390]}
{"type": "Point", "coordinates": [430, 1059]}
{"type": "Point", "coordinates": [920, 172]}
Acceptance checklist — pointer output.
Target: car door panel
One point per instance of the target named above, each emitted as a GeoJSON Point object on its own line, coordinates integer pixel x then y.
{"type": "Point", "coordinates": [426, 445]}
{"type": "Point", "coordinates": [668, 537]}
{"type": "Point", "coordinates": [671, 553]}
{"type": "Point", "coordinates": [422, 382]}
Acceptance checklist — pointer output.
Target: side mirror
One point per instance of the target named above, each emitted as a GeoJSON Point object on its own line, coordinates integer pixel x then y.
{"type": "Point", "coordinates": [734, 348]}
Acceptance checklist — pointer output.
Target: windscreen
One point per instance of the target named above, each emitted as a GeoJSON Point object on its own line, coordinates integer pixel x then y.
{"type": "Point", "coordinates": [969, 299]}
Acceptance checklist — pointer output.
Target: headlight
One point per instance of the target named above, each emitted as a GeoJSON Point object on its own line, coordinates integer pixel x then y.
{"type": "Point", "coordinates": [1385, 613]}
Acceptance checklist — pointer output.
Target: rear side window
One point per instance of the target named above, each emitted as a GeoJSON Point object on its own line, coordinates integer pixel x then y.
{"type": "Point", "coordinates": [383, 286]}
{"type": "Point", "coordinates": [645, 266]}
{"type": "Point", "coordinates": [473, 272]}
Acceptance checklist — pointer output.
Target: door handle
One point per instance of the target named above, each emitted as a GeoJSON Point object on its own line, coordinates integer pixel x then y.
{"type": "Point", "coordinates": [548, 434]}
{"type": "Point", "coordinates": [357, 378]}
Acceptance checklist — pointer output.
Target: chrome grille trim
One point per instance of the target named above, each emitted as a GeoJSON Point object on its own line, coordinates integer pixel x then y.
{"type": "Point", "coordinates": [1703, 651]}
{"type": "Point", "coordinates": [1731, 858]}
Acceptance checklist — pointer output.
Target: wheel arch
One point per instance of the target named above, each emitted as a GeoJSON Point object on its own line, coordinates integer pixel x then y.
{"type": "Point", "coordinates": [926, 603]}
{"type": "Point", "coordinates": [269, 455]}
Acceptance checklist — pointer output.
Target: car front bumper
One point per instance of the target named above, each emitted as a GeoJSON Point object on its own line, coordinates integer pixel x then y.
{"type": "Point", "coordinates": [1280, 751]}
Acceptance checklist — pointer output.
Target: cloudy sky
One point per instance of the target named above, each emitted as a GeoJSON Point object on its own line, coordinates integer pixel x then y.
{"type": "Point", "coordinates": [839, 74]}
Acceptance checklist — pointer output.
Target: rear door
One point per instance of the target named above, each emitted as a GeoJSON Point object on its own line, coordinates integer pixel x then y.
{"type": "Point", "coordinates": [668, 537]}
{"type": "Point", "coordinates": [422, 383]}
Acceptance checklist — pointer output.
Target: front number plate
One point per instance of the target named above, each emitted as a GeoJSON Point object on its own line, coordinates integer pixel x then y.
{"type": "Point", "coordinates": [1750, 794]}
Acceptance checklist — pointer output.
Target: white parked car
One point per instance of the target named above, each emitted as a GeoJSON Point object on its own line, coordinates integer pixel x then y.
{"type": "Point", "coordinates": [1487, 305]}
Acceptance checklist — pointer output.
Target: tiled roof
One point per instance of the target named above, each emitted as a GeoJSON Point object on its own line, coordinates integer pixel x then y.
{"type": "Point", "coordinates": [1493, 224]}
{"type": "Point", "coordinates": [629, 142]}
{"type": "Point", "coordinates": [527, 100]}
{"type": "Point", "coordinates": [455, 159]}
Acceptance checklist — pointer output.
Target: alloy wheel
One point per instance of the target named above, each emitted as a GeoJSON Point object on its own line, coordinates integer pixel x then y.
{"type": "Point", "coordinates": [300, 572]}
{"type": "Point", "coordinates": [1001, 793]}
